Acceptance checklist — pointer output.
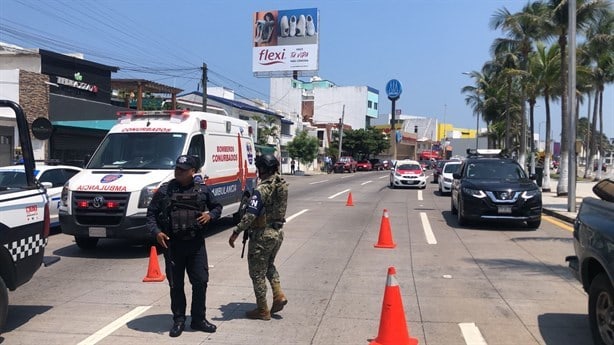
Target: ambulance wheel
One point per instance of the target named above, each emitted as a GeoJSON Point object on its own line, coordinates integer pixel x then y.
{"type": "Point", "coordinates": [86, 242]}
{"type": "Point", "coordinates": [242, 207]}
{"type": "Point", "coordinates": [4, 304]}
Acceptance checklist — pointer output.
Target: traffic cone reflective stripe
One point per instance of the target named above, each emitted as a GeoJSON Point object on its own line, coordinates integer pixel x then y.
{"type": "Point", "coordinates": [393, 326]}
{"type": "Point", "coordinates": [153, 270]}
{"type": "Point", "coordinates": [350, 202]}
{"type": "Point", "coordinates": [385, 233]}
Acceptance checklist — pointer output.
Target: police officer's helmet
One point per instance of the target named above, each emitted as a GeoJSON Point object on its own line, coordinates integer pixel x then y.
{"type": "Point", "coordinates": [267, 162]}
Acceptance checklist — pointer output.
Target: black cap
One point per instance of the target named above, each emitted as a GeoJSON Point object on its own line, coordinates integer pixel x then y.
{"type": "Point", "coordinates": [187, 162]}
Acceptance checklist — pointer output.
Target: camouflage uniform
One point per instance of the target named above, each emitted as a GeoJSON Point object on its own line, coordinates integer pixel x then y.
{"type": "Point", "coordinates": [264, 219]}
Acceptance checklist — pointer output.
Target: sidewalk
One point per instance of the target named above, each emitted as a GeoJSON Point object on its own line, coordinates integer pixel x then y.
{"type": "Point", "coordinates": [556, 206]}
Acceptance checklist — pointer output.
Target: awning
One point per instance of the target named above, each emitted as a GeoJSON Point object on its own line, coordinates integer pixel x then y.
{"type": "Point", "coordinates": [103, 125]}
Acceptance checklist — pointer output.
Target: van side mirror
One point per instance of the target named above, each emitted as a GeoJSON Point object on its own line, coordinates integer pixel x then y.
{"type": "Point", "coordinates": [456, 175]}
{"type": "Point", "coordinates": [533, 177]}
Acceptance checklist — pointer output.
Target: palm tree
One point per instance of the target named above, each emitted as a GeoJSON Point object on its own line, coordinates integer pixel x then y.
{"type": "Point", "coordinates": [521, 30]}
{"type": "Point", "coordinates": [475, 94]}
{"type": "Point", "coordinates": [545, 66]}
{"type": "Point", "coordinates": [556, 26]}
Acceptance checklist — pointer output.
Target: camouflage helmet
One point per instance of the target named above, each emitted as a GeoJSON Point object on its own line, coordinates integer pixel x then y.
{"type": "Point", "coordinates": [267, 162]}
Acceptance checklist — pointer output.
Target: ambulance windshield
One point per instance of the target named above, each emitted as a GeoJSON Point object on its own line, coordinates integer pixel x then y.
{"type": "Point", "coordinates": [138, 151]}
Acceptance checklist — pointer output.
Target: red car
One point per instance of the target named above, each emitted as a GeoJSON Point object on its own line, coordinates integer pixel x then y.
{"type": "Point", "coordinates": [345, 163]}
{"type": "Point", "coordinates": [364, 165]}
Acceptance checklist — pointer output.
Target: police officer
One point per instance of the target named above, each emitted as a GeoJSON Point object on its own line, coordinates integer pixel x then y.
{"type": "Point", "coordinates": [177, 216]}
{"type": "Point", "coordinates": [264, 219]}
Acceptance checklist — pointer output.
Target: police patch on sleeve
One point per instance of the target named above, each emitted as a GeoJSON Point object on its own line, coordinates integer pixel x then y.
{"type": "Point", "coordinates": [255, 204]}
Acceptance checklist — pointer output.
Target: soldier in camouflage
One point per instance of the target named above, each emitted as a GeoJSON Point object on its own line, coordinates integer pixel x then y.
{"type": "Point", "coordinates": [264, 219]}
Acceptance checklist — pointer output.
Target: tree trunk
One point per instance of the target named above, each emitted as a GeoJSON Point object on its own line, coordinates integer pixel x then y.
{"type": "Point", "coordinates": [522, 156]}
{"type": "Point", "coordinates": [561, 187]}
{"type": "Point", "coordinates": [546, 181]}
{"type": "Point", "coordinates": [508, 144]}
{"type": "Point", "coordinates": [599, 148]}
{"type": "Point", "coordinates": [593, 131]}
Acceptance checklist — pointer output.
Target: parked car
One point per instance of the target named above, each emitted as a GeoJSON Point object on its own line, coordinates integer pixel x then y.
{"type": "Point", "coordinates": [345, 163]}
{"type": "Point", "coordinates": [437, 169]}
{"type": "Point", "coordinates": [446, 178]}
{"type": "Point", "coordinates": [377, 164]}
{"type": "Point", "coordinates": [487, 187]}
{"type": "Point", "coordinates": [364, 165]}
{"type": "Point", "coordinates": [593, 264]}
{"type": "Point", "coordinates": [52, 177]}
{"type": "Point", "coordinates": [407, 173]}
{"type": "Point", "coordinates": [596, 166]}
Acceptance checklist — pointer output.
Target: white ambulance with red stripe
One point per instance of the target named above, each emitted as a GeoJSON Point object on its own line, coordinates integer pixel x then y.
{"type": "Point", "coordinates": [109, 198]}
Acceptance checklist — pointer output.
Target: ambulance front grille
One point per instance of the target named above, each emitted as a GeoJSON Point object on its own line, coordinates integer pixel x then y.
{"type": "Point", "coordinates": [97, 210]}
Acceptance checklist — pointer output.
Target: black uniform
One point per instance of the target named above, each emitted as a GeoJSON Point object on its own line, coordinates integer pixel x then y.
{"type": "Point", "coordinates": [186, 250]}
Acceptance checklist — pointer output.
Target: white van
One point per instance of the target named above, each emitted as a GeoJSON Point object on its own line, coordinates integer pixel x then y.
{"type": "Point", "coordinates": [109, 198]}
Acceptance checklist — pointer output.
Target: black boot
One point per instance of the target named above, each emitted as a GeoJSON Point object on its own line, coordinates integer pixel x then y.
{"type": "Point", "coordinates": [203, 325]}
{"type": "Point", "coordinates": [177, 329]}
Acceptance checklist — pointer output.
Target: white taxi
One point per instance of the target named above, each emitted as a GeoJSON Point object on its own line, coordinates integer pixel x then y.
{"type": "Point", "coordinates": [407, 173]}
{"type": "Point", "coordinates": [52, 177]}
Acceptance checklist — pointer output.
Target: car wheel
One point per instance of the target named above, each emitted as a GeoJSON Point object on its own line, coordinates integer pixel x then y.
{"type": "Point", "coordinates": [600, 307]}
{"type": "Point", "coordinates": [86, 242]}
{"type": "Point", "coordinates": [452, 207]}
{"type": "Point", "coordinates": [459, 215]}
{"type": "Point", "coordinates": [534, 224]}
{"type": "Point", "coordinates": [4, 304]}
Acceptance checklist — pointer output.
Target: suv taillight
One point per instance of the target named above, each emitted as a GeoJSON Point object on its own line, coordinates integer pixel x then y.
{"type": "Point", "coordinates": [47, 222]}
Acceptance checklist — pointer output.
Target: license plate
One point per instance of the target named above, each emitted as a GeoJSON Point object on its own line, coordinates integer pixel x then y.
{"type": "Point", "coordinates": [97, 232]}
{"type": "Point", "coordinates": [505, 209]}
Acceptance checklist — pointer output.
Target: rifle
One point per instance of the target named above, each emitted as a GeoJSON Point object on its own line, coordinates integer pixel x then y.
{"type": "Point", "coordinates": [245, 237]}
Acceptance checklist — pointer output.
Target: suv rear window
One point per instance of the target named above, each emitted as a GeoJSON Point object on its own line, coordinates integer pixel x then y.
{"type": "Point", "coordinates": [495, 169]}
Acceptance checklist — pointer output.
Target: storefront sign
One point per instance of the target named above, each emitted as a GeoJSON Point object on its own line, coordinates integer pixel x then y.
{"type": "Point", "coordinates": [77, 84]}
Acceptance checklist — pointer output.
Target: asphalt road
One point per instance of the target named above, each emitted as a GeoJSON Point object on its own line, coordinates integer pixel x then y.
{"type": "Point", "coordinates": [484, 284]}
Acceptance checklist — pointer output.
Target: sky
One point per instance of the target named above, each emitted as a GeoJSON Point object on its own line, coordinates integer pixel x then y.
{"type": "Point", "coordinates": [425, 44]}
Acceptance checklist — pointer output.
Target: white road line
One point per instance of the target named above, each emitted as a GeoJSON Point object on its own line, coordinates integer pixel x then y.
{"type": "Point", "coordinates": [347, 176]}
{"type": "Point", "coordinates": [472, 334]}
{"type": "Point", "coordinates": [428, 232]}
{"type": "Point", "coordinates": [335, 195]}
{"type": "Point", "coordinates": [385, 176]}
{"type": "Point", "coordinates": [364, 183]}
{"type": "Point", "coordinates": [420, 195]}
{"type": "Point", "coordinates": [296, 215]}
{"type": "Point", "coordinates": [318, 182]}
{"type": "Point", "coordinates": [113, 326]}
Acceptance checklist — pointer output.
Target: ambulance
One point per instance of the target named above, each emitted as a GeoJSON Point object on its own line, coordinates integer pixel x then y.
{"type": "Point", "coordinates": [109, 198]}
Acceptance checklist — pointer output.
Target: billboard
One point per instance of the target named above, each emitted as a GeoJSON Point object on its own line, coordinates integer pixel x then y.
{"type": "Point", "coordinates": [285, 41]}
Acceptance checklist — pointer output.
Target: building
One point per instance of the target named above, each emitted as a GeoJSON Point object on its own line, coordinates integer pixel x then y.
{"type": "Point", "coordinates": [322, 106]}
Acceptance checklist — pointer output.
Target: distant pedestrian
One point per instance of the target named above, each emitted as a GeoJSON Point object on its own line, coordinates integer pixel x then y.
{"type": "Point", "coordinates": [292, 162]}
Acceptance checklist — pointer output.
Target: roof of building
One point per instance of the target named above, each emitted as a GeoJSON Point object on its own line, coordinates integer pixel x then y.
{"type": "Point", "coordinates": [147, 85]}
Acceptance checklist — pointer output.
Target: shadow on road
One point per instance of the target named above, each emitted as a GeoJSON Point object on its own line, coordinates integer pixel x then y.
{"type": "Point", "coordinates": [18, 315]}
{"type": "Point", "coordinates": [484, 225]}
{"type": "Point", "coordinates": [556, 328]}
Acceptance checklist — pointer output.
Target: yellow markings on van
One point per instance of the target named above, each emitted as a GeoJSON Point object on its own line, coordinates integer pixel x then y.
{"type": "Point", "coordinates": [558, 223]}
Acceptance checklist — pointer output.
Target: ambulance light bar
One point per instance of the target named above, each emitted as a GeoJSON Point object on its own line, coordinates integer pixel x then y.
{"type": "Point", "coordinates": [153, 113]}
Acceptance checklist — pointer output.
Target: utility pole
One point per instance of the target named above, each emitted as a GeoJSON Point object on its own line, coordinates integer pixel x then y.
{"type": "Point", "coordinates": [341, 131]}
{"type": "Point", "coordinates": [204, 83]}
{"type": "Point", "coordinates": [571, 107]}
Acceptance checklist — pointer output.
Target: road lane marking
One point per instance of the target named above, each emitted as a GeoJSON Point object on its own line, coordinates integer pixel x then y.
{"type": "Point", "coordinates": [420, 195]}
{"type": "Point", "coordinates": [336, 195]}
{"type": "Point", "coordinates": [296, 215]}
{"type": "Point", "coordinates": [113, 326]}
{"type": "Point", "coordinates": [364, 183]}
{"type": "Point", "coordinates": [558, 223]}
{"type": "Point", "coordinates": [347, 176]}
{"type": "Point", "coordinates": [385, 176]}
{"type": "Point", "coordinates": [472, 334]}
{"type": "Point", "coordinates": [428, 232]}
{"type": "Point", "coordinates": [318, 182]}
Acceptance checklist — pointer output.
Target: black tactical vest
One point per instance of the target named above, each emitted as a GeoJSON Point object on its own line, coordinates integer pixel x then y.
{"type": "Point", "coordinates": [184, 209]}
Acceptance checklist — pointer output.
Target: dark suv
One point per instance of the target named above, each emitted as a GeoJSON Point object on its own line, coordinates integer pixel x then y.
{"type": "Point", "coordinates": [489, 186]}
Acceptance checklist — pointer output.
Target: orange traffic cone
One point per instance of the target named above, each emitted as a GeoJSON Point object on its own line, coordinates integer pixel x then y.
{"type": "Point", "coordinates": [385, 234]}
{"type": "Point", "coordinates": [153, 271]}
{"type": "Point", "coordinates": [392, 324]}
{"type": "Point", "coordinates": [350, 202]}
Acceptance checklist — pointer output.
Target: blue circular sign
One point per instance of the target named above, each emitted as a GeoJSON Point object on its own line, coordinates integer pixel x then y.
{"type": "Point", "coordinates": [394, 89]}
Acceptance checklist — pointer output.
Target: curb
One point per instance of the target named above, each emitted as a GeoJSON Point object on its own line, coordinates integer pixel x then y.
{"type": "Point", "coordinates": [556, 214]}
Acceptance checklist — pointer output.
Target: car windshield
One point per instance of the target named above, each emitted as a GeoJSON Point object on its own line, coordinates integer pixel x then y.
{"type": "Point", "coordinates": [495, 170]}
{"type": "Point", "coordinates": [12, 179]}
{"type": "Point", "coordinates": [450, 168]}
{"type": "Point", "coordinates": [409, 167]}
{"type": "Point", "coordinates": [138, 151]}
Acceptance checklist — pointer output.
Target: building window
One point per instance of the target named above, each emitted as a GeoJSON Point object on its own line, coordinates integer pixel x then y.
{"type": "Point", "coordinates": [375, 105]}
{"type": "Point", "coordinates": [285, 129]}
{"type": "Point", "coordinates": [369, 104]}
